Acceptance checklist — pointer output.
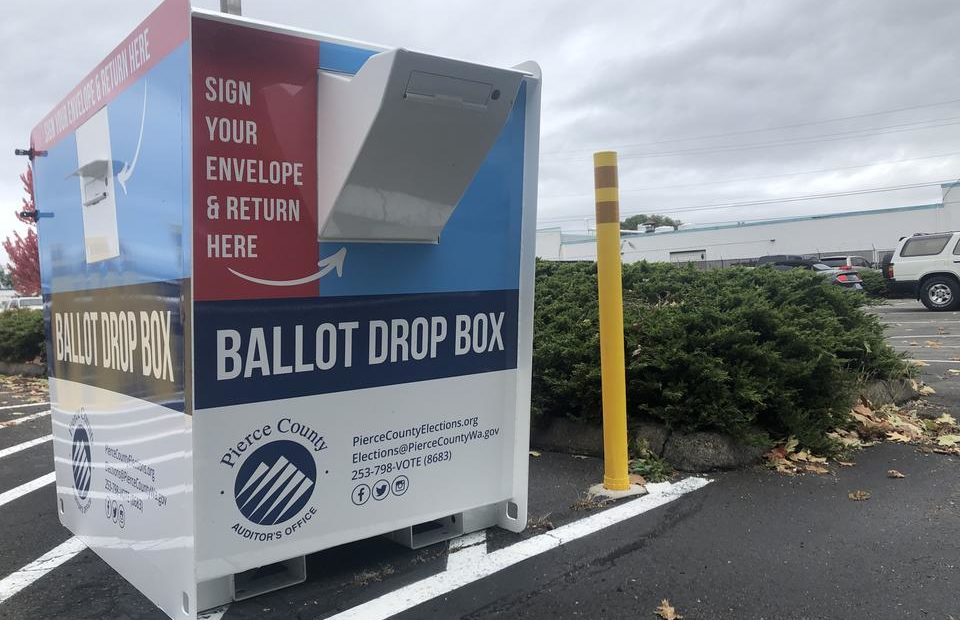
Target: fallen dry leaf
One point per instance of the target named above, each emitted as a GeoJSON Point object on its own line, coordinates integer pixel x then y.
{"type": "Point", "coordinates": [900, 437]}
{"type": "Point", "coordinates": [947, 419]}
{"type": "Point", "coordinates": [948, 441]}
{"type": "Point", "coordinates": [667, 611]}
{"type": "Point", "coordinates": [534, 453]}
{"type": "Point", "coordinates": [926, 390]}
{"type": "Point", "coordinates": [859, 496]}
{"type": "Point", "coordinates": [953, 451]}
{"type": "Point", "coordinates": [846, 463]}
{"type": "Point", "coordinates": [918, 363]}
{"type": "Point", "coordinates": [932, 344]}
{"type": "Point", "coordinates": [893, 473]}
{"type": "Point", "coordinates": [954, 371]}
{"type": "Point", "coordinates": [805, 456]}
{"type": "Point", "coordinates": [785, 460]}
{"type": "Point", "coordinates": [849, 439]}
{"type": "Point", "coordinates": [637, 479]}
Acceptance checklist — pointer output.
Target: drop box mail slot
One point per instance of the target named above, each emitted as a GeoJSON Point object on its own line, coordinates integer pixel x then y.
{"type": "Point", "coordinates": [288, 284]}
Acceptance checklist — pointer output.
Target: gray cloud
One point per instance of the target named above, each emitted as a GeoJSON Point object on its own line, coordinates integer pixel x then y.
{"type": "Point", "coordinates": [643, 77]}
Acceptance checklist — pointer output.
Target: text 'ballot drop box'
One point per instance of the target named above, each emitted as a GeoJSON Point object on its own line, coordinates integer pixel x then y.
{"type": "Point", "coordinates": [288, 286]}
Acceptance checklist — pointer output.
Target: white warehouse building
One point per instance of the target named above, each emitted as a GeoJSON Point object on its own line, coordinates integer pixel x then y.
{"type": "Point", "coordinates": [864, 233]}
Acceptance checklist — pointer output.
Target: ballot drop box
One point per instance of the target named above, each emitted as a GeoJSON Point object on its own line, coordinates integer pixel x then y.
{"type": "Point", "coordinates": [288, 289]}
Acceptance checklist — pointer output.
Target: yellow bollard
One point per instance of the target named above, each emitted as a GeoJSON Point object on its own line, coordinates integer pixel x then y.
{"type": "Point", "coordinates": [609, 283]}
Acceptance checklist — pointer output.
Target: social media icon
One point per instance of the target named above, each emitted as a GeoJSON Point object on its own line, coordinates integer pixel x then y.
{"type": "Point", "coordinates": [360, 495]}
{"type": "Point", "coordinates": [381, 489]}
{"type": "Point", "coordinates": [400, 485]}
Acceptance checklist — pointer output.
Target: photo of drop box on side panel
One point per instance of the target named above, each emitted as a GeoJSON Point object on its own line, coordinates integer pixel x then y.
{"type": "Point", "coordinates": [97, 188]}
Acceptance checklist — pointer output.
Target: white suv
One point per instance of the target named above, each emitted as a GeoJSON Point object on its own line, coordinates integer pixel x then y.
{"type": "Point", "coordinates": [927, 267]}
{"type": "Point", "coordinates": [33, 303]}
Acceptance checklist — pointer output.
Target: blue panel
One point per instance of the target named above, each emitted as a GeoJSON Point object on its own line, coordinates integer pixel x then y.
{"type": "Point", "coordinates": [342, 58]}
{"type": "Point", "coordinates": [153, 216]}
{"type": "Point", "coordinates": [285, 317]}
{"type": "Point", "coordinates": [480, 246]}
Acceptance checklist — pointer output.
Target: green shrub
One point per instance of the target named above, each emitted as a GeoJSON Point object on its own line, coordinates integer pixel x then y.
{"type": "Point", "coordinates": [726, 350]}
{"type": "Point", "coordinates": [645, 462]}
{"type": "Point", "coordinates": [21, 336]}
{"type": "Point", "coordinates": [874, 284]}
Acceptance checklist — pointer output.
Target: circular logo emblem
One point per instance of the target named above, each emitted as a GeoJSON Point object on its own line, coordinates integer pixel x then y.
{"type": "Point", "coordinates": [275, 482]}
{"type": "Point", "coordinates": [82, 469]}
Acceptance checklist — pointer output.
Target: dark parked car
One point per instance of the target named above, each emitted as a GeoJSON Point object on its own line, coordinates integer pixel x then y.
{"type": "Point", "coordinates": [840, 277]}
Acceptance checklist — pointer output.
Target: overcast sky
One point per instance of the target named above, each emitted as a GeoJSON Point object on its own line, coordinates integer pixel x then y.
{"type": "Point", "coordinates": [708, 102]}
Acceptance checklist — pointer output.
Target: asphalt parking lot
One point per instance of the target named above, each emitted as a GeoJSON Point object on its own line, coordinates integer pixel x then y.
{"type": "Point", "coordinates": [750, 544]}
{"type": "Point", "coordinates": [45, 573]}
{"type": "Point", "coordinates": [931, 338]}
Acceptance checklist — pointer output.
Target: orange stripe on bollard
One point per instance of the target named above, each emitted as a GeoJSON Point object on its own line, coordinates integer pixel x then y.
{"type": "Point", "coordinates": [608, 212]}
{"type": "Point", "coordinates": [605, 176]}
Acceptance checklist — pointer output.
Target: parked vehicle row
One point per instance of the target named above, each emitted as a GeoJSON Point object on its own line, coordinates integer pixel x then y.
{"type": "Point", "coordinates": [845, 278]}
{"type": "Point", "coordinates": [33, 303]}
{"type": "Point", "coordinates": [847, 263]}
{"type": "Point", "coordinates": [926, 266]}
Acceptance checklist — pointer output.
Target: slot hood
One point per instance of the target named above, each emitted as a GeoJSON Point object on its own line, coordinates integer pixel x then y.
{"type": "Point", "coordinates": [399, 143]}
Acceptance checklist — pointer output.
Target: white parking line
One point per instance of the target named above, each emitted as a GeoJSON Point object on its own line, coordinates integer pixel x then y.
{"type": "Point", "coordinates": [13, 583]}
{"type": "Point", "coordinates": [26, 418]}
{"type": "Point", "coordinates": [24, 446]}
{"type": "Point", "coordinates": [213, 614]}
{"type": "Point", "coordinates": [466, 550]}
{"type": "Point", "coordinates": [17, 492]}
{"type": "Point", "coordinates": [954, 362]}
{"type": "Point", "coordinates": [930, 336]}
{"type": "Point", "coordinates": [462, 574]}
{"type": "Point", "coordinates": [23, 406]}
{"type": "Point", "coordinates": [930, 322]}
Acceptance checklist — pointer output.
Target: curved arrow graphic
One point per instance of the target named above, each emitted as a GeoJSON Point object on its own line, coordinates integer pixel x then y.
{"type": "Point", "coordinates": [328, 264]}
{"type": "Point", "coordinates": [124, 175]}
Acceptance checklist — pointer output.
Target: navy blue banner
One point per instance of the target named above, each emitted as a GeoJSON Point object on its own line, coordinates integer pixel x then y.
{"type": "Point", "coordinates": [254, 351]}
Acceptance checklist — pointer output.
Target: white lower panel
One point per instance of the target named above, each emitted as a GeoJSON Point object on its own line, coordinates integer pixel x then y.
{"type": "Point", "coordinates": [285, 478]}
{"type": "Point", "coordinates": [123, 469]}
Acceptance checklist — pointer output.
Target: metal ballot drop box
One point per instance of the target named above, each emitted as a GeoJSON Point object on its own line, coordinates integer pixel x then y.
{"type": "Point", "coordinates": [288, 288]}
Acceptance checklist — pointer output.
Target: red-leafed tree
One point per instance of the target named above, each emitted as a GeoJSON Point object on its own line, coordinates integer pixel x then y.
{"type": "Point", "coordinates": [24, 255]}
{"type": "Point", "coordinates": [29, 204]}
{"type": "Point", "coordinates": [24, 265]}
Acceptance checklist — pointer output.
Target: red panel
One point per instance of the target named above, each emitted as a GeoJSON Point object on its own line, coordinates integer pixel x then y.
{"type": "Point", "coordinates": [255, 178]}
{"type": "Point", "coordinates": [158, 35]}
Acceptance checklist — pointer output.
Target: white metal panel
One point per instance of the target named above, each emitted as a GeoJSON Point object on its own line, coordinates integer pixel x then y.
{"type": "Point", "coordinates": [399, 142]}
{"type": "Point", "coordinates": [479, 471]}
{"type": "Point", "coordinates": [124, 486]}
{"type": "Point", "coordinates": [97, 188]}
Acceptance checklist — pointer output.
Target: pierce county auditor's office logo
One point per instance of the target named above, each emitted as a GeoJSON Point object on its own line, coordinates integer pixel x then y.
{"type": "Point", "coordinates": [275, 482]}
{"type": "Point", "coordinates": [82, 469]}
{"type": "Point", "coordinates": [81, 460]}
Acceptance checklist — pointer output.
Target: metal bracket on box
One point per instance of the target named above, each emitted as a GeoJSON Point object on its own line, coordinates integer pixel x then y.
{"type": "Point", "coordinates": [428, 533]}
{"type": "Point", "coordinates": [263, 579]}
{"type": "Point", "coordinates": [34, 215]}
{"type": "Point", "coordinates": [30, 152]}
